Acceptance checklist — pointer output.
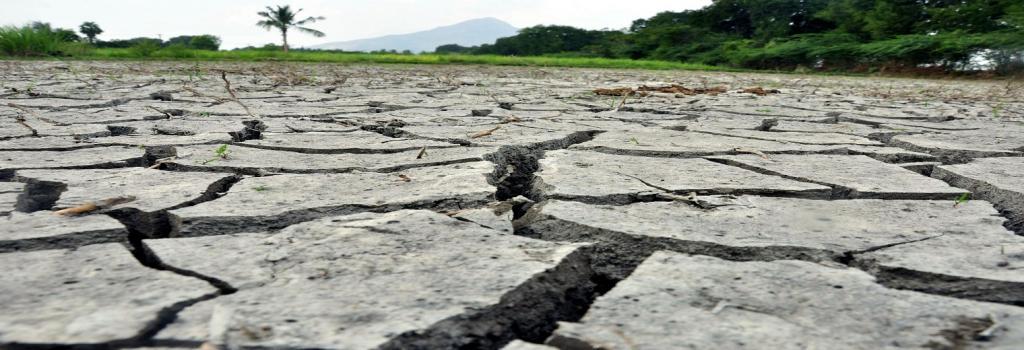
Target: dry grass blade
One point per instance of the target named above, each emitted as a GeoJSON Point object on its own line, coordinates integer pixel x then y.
{"type": "Point", "coordinates": [33, 113]}
{"type": "Point", "coordinates": [484, 132]}
{"type": "Point", "coordinates": [404, 177]}
{"type": "Point", "coordinates": [200, 94]}
{"type": "Point", "coordinates": [160, 111]}
{"type": "Point", "coordinates": [623, 102]}
{"type": "Point", "coordinates": [24, 122]}
{"type": "Point", "coordinates": [94, 206]}
{"type": "Point", "coordinates": [20, 107]}
{"type": "Point", "coordinates": [691, 199]}
{"type": "Point", "coordinates": [21, 121]}
{"type": "Point", "coordinates": [227, 86]}
{"type": "Point", "coordinates": [423, 152]}
{"type": "Point", "coordinates": [751, 151]}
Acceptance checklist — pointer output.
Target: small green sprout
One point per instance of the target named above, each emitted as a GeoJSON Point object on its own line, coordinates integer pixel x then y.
{"type": "Point", "coordinates": [963, 198]}
{"type": "Point", "coordinates": [221, 152]}
{"type": "Point", "coordinates": [195, 73]}
{"type": "Point", "coordinates": [261, 188]}
{"type": "Point", "coordinates": [996, 109]}
{"type": "Point", "coordinates": [633, 140]}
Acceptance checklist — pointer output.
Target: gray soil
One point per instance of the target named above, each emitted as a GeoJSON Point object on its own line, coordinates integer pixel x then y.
{"type": "Point", "coordinates": [302, 206]}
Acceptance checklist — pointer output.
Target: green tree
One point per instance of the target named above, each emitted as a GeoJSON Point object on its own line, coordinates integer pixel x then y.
{"type": "Point", "coordinates": [61, 34]}
{"type": "Point", "coordinates": [1015, 17]}
{"type": "Point", "coordinates": [968, 16]}
{"type": "Point", "coordinates": [847, 16]}
{"type": "Point", "coordinates": [893, 17]}
{"type": "Point", "coordinates": [181, 40]}
{"type": "Point", "coordinates": [91, 30]}
{"type": "Point", "coordinates": [282, 18]}
{"type": "Point", "coordinates": [67, 35]}
{"type": "Point", "coordinates": [453, 48]}
{"type": "Point", "coordinates": [909, 35]}
{"type": "Point", "coordinates": [205, 42]}
{"type": "Point", "coordinates": [540, 40]}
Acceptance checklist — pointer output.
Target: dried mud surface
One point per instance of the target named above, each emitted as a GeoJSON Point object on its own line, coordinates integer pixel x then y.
{"type": "Point", "coordinates": [299, 206]}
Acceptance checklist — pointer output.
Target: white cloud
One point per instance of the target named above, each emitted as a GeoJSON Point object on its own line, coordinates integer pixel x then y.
{"type": "Point", "coordinates": [234, 20]}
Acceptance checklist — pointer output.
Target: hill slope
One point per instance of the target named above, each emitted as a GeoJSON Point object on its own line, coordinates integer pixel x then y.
{"type": "Point", "coordinates": [468, 33]}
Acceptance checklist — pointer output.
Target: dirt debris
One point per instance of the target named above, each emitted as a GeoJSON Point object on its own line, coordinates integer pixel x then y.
{"type": "Point", "coordinates": [760, 91]}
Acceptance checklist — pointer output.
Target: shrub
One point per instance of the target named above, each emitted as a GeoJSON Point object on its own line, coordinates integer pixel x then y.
{"type": "Point", "coordinates": [74, 49]}
{"type": "Point", "coordinates": [28, 41]}
{"type": "Point", "coordinates": [270, 47]}
{"type": "Point", "coordinates": [126, 44]}
{"type": "Point", "coordinates": [176, 51]}
{"type": "Point", "coordinates": [205, 42]}
{"type": "Point", "coordinates": [145, 48]}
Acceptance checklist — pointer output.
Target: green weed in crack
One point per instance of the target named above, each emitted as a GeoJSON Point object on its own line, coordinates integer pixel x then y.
{"type": "Point", "coordinates": [195, 73]}
{"type": "Point", "coordinates": [221, 152]}
{"type": "Point", "coordinates": [996, 109]}
{"type": "Point", "coordinates": [963, 198]}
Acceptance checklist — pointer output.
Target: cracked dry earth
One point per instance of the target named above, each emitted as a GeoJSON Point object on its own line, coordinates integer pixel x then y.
{"type": "Point", "coordinates": [412, 207]}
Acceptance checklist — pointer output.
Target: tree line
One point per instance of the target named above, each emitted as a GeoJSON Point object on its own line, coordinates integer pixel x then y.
{"type": "Point", "coordinates": [943, 35]}
{"type": "Point", "coordinates": [42, 39]}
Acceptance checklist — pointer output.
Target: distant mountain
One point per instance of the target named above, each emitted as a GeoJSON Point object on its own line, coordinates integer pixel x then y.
{"type": "Point", "coordinates": [468, 33]}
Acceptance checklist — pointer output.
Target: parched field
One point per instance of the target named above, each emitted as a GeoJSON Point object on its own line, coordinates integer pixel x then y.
{"type": "Point", "coordinates": [299, 206]}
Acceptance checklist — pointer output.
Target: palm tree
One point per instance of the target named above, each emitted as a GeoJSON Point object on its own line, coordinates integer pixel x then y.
{"type": "Point", "coordinates": [283, 19]}
{"type": "Point", "coordinates": [91, 30]}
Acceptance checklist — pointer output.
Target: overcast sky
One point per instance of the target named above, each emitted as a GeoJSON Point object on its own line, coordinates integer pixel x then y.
{"type": "Point", "coordinates": [234, 20]}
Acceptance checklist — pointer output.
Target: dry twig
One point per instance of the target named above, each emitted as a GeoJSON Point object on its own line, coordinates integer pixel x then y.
{"type": "Point", "coordinates": [484, 132]}
{"type": "Point", "coordinates": [751, 151]}
{"type": "Point", "coordinates": [160, 111]}
{"type": "Point", "coordinates": [94, 206]}
{"type": "Point", "coordinates": [227, 86]}
{"type": "Point", "coordinates": [161, 161]}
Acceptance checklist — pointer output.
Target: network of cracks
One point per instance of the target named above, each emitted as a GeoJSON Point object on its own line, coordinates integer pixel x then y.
{"type": "Point", "coordinates": [277, 206]}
